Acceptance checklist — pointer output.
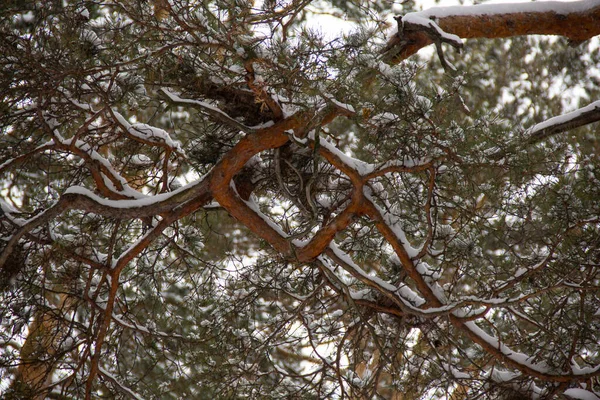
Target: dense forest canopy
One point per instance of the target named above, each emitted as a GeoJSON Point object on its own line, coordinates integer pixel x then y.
{"type": "Point", "coordinates": [214, 199]}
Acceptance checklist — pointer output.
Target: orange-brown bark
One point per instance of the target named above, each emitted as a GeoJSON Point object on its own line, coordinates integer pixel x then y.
{"type": "Point", "coordinates": [576, 26]}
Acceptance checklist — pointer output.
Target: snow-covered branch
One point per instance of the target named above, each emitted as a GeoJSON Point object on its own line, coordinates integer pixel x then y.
{"type": "Point", "coordinates": [206, 108]}
{"type": "Point", "coordinates": [577, 21]}
{"type": "Point", "coordinates": [563, 123]}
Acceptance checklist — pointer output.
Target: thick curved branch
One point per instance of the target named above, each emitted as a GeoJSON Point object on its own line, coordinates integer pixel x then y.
{"type": "Point", "coordinates": [326, 234]}
{"type": "Point", "coordinates": [253, 219]}
{"type": "Point", "coordinates": [400, 248]}
{"type": "Point", "coordinates": [180, 202]}
{"type": "Point", "coordinates": [577, 21]}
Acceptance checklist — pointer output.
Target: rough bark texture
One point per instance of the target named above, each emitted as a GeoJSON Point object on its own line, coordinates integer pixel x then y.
{"type": "Point", "coordinates": [576, 26]}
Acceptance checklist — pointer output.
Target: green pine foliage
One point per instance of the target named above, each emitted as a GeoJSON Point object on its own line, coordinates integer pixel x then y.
{"type": "Point", "coordinates": [502, 228]}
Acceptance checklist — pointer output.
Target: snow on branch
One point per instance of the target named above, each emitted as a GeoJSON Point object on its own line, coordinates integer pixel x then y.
{"type": "Point", "coordinates": [212, 111]}
{"type": "Point", "coordinates": [577, 21]}
{"type": "Point", "coordinates": [147, 133]}
{"type": "Point", "coordinates": [134, 326]}
{"type": "Point", "coordinates": [409, 298]}
{"type": "Point", "coordinates": [562, 123]}
{"type": "Point", "coordinates": [11, 162]}
{"type": "Point", "coordinates": [581, 394]}
{"type": "Point", "coordinates": [154, 204]}
{"type": "Point", "coordinates": [522, 362]}
{"type": "Point", "coordinates": [553, 126]}
{"type": "Point", "coordinates": [29, 225]}
{"type": "Point", "coordinates": [115, 381]}
{"type": "Point", "coordinates": [193, 196]}
{"type": "Point", "coordinates": [393, 223]}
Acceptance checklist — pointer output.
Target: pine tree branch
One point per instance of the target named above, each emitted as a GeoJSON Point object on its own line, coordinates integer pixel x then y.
{"type": "Point", "coordinates": [206, 108]}
{"type": "Point", "coordinates": [566, 122]}
{"type": "Point", "coordinates": [553, 126]}
{"type": "Point", "coordinates": [578, 21]}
